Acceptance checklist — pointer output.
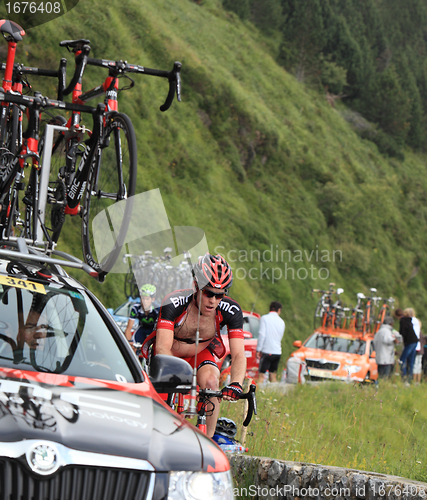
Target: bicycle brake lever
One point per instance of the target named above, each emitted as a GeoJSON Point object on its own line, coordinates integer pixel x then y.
{"type": "Point", "coordinates": [174, 86]}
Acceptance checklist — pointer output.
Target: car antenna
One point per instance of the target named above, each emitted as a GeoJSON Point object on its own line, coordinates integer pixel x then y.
{"type": "Point", "coordinates": [256, 298]}
{"type": "Point", "coordinates": [193, 392]}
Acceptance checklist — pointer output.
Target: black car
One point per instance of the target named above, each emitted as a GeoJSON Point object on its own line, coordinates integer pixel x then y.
{"type": "Point", "coordinates": [79, 418]}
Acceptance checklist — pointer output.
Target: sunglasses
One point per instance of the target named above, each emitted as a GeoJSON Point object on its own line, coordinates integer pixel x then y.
{"type": "Point", "coordinates": [210, 294]}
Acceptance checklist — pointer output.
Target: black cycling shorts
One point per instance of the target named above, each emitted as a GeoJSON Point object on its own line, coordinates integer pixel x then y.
{"type": "Point", "coordinates": [269, 362]}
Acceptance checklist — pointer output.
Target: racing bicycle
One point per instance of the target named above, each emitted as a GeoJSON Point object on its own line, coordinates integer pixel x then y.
{"type": "Point", "coordinates": [13, 165]}
{"type": "Point", "coordinates": [109, 176]}
{"type": "Point", "coordinates": [206, 406]}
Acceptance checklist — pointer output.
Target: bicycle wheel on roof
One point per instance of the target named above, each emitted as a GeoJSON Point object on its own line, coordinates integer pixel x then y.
{"type": "Point", "coordinates": [111, 183]}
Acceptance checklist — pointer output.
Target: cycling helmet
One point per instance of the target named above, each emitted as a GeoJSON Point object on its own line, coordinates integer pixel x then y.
{"type": "Point", "coordinates": [147, 290]}
{"type": "Point", "coordinates": [214, 271]}
{"type": "Point", "coordinates": [226, 427]}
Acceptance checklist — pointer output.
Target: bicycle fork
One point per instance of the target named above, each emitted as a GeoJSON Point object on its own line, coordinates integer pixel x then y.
{"type": "Point", "coordinates": [77, 187]}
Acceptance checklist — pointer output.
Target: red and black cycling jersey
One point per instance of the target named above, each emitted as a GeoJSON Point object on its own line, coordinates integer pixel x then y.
{"type": "Point", "coordinates": [228, 313]}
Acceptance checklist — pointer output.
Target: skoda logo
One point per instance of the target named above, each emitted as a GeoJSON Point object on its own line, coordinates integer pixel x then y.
{"type": "Point", "coordinates": [43, 459]}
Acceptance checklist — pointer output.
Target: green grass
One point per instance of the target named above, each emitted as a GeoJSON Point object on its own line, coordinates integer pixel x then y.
{"type": "Point", "coordinates": [343, 425]}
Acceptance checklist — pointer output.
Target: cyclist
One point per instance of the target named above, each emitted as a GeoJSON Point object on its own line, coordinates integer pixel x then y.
{"type": "Point", "coordinates": [145, 313]}
{"type": "Point", "coordinates": [205, 308]}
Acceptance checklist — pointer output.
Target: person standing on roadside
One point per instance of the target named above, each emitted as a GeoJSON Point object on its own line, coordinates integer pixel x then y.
{"type": "Point", "coordinates": [384, 342]}
{"type": "Point", "coordinates": [269, 345]}
{"type": "Point", "coordinates": [419, 353]}
{"type": "Point", "coordinates": [410, 341]}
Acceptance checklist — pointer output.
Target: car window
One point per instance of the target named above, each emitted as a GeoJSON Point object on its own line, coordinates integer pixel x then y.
{"type": "Point", "coordinates": [124, 309]}
{"type": "Point", "coordinates": [337, 344]}
{"type": "Point", "coordinates": [253, 325]}
{"type": "Point", "coordinates": [57, 330]}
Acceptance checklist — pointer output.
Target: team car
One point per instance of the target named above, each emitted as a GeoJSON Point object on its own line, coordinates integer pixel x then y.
{"type": "Point", "coordinates": [338, 355]}
{"type": "Point", "coordinates": [251, 322]}
{"type": "Point", "coordinates": [79, 418]}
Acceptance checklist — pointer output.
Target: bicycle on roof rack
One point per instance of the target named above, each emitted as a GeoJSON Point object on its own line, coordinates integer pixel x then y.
{"type": "Point", "coordinates": [11, 183]}
{"type": "Point", "coordinates": [157, 271]}
{"type": "Point", "coordinates": [110, 176]}
{"type": "Point", "coordinates": [328, 313]}
{"type": "Point", "coordinates": [12, 136]}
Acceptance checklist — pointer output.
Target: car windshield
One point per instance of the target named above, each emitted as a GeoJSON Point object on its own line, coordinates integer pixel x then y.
{"type": "Point", "coordinates": [339, 344]}
{"type": "Point", "coordinates": [52, 329]}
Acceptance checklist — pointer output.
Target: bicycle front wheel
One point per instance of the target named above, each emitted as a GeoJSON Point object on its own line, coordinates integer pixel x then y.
{"type": "Point", "coordinates": [131, 287]}
{"type": "Point", "coordinates": [112, 179]}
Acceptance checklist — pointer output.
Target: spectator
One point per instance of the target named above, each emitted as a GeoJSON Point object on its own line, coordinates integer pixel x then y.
{"type": "Point", "coordinates": [410, 340]}
{"type": "Point", "coordinates": [419, 353]}
{"type": "Point", "coordinates": [269, 345]}
{"type": "Point", "coordinates": [384, 342]}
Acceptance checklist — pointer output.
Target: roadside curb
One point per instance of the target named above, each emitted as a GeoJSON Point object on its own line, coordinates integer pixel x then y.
{"type": "Point", "coordinates": [261, 478]}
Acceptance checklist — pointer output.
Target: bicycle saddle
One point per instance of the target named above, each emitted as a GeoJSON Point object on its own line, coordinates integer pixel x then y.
{"type": "Point", "coordinates": [73, 44]}
{"type": "Point", "coordinates": [11, 30]}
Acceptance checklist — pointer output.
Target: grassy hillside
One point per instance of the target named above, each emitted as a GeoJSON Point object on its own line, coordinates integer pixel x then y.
{"type": "Point", "coordinates": [343, 425]}
{"type": "Point", "coordinates": [275, 176]}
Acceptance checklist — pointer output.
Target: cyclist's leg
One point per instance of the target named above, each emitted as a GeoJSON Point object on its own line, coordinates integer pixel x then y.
{"type": "Point", "coordinates": [208, 378]}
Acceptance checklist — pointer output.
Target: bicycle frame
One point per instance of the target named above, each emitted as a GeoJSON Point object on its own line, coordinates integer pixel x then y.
{"type": "Point", "coordinates": [29, 149]}
{"type": "Point", "coordinates": [205, 397]}
{"type": "Point", "coordinates": [110, 88]}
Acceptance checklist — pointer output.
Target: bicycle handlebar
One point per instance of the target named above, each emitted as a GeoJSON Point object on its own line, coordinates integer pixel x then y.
{"type": "Point", "coordinates": [43, 102]}
{"type": "Point", "coordinates": [250, 396]}
{"type": "Point", "coordinates": [122, 67]}
{"type": "Point", "coordinates": [20, 69]}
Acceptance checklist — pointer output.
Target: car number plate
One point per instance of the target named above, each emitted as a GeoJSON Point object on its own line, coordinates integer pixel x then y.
{"type": "Point", "coordinates": [25, 284]}
{"type": "Point", "coordinates": [316, 372]}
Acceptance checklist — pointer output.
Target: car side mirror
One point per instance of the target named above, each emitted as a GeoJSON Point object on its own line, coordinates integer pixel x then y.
{"type": "Point", "coordinates": [247, 335]}
{"type": "Point", "coordinates": [373, 354]}
{"type": "Point", "coordinates": [297, 343]}
{"type": "Point", "coordinates": [170, 374]}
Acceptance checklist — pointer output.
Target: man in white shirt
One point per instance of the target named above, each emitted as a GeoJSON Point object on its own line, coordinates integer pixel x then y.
{"type": "Point", "coordinates": [269, 346]}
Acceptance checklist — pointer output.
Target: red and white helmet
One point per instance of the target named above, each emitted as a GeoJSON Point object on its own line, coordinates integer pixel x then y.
{"type": "Point", "coordinates": [213, 271]}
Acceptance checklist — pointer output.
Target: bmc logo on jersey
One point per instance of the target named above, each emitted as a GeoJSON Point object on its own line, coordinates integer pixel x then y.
{"type": "Point", "coordinates": [180, 300]}
{"type": "Point", "coordinates": [227, 307]}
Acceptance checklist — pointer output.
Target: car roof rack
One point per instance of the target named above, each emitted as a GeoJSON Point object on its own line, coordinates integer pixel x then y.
{"type": "Point", "coordinates": [18, 248]}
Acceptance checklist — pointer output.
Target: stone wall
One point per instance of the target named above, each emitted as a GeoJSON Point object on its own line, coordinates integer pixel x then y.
{"type": "Point", "coordinates": [264, 478]}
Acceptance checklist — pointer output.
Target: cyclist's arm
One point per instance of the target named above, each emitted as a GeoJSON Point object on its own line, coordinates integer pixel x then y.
{"type": "Point", "coordinates": [164, 341]}
{"type": "Point", "coordinates": [128, 331]}
{"type": "Point", "coordinates": [238, 360]}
